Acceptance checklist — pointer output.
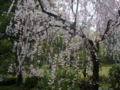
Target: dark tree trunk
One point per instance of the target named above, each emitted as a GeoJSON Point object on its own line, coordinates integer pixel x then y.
{"type": "Point", "coordinates": [84, 72]}
{"type": "Point", "coordinates": [95, 81]}
{"type": "Point", "coordinates": [94, 54]}
{"type": "Point", "coordinates": [19, 80]}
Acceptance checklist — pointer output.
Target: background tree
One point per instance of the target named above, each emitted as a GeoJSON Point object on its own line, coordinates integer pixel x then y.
{"type": "Point", "coordinates": [5, 44]}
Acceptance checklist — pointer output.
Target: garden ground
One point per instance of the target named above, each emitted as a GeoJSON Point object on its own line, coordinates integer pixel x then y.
{"type": "Point", "coordinates": [103, 73]}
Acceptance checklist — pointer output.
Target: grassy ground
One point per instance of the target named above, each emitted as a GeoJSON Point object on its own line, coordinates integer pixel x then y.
{"type": "Point", "coordinates": [104, 70]}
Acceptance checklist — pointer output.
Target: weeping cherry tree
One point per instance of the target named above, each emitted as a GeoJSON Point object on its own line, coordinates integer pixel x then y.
{"type": "Point", "coordinates": [39, 21]}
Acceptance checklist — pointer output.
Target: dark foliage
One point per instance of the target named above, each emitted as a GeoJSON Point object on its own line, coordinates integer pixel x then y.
{"type": "Point", "coordinates": [114, 74]}
{"type": "Point", "coordinates": [84, 85]}
{"type": "Point", "coordinates": [30, 82]}
{"type": "Point", "coordinates": [8, 81]}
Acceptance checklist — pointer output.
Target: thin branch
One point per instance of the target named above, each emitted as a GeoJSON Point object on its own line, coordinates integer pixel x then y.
{"type": "Point", "coordinates": [76, 12]}
{"type": "Point", "coordinates": [107, 29]}
{"type": "Point", "coordinates": [64, 27]}
{"type": "Point", "coordinates": [72, 6]}
{"type": "Point", "coordinates": [51, 14]}
{"type": "Point", "coordinates": [87, 39]}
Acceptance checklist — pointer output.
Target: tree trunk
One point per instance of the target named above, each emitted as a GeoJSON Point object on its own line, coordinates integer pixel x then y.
{"type": "Point", "coordinates": [95, 72]}
{"type": "Point", "coordinates": [19, 80]}
{"type": "Point", "coordinates": [84, 72]}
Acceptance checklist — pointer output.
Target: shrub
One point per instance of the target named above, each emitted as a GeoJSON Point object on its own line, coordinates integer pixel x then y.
{"type": "Point", "coordinates": [2, 79]}
{"type": "Point", "coordinates": [114, 75]}
{"type": "Point", "coordinates": [104, 78]}
{"type": "Point", "coordinates": [43, 84]}
{"type": "Point", "coordinates": [64, 80]}
{"type": "Point", "coordinates": [85, 84]}
{"type": "Point", "coordinates": [30, 82]}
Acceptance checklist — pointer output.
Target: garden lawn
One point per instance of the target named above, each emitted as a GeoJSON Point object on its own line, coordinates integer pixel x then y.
{"type": "Point", "coordinates": [104, 70]}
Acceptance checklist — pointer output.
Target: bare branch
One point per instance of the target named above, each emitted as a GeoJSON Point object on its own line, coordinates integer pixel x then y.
{"type": "Point", "coordinates": [72, 6]}
{"type": "Point", "coordinates": [107, 29]}
{"type": "Point", "coordinates": [87, 39]}
{"type": "Point", "coordinates": [75, 14]}
{"type": "Point", "coordinates": [64, 27]}
{"type": "Point", "coordinates": [58, 17]}
{"type": "Point", "coordinates": [119, 13]}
